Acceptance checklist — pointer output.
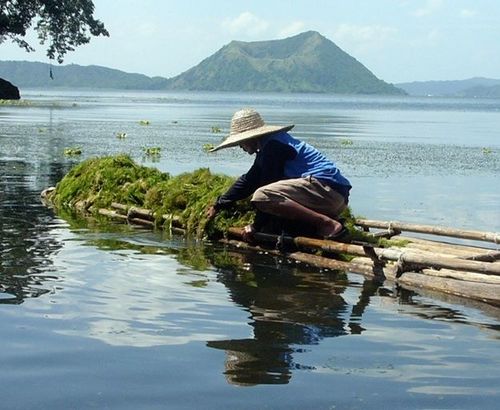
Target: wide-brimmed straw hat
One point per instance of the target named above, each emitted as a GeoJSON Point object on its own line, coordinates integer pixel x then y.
{"type": "Point", "coordinates": [247, 124]}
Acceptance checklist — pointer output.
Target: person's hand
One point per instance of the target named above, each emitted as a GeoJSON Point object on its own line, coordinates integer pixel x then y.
{"type": "Point", "coordinates": [210, 212]}
{"type": "Point", "coordinates": [248, 232]}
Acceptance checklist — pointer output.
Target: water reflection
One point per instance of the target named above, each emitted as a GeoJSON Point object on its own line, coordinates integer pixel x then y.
{"type": "Point", "coordinates": [289, 308]}
{"type": "Point", "coordinates": [145, 290]}
{"type": "Point", "coordinates": [26, 244]}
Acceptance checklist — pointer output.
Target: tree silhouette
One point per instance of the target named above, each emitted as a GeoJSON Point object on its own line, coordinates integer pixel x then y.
{"type": "Point", "coordinates": [62, 24]}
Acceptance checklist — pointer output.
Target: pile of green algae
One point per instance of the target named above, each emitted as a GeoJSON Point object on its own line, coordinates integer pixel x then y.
{"type": "Point", "coordinates": [97, 182]}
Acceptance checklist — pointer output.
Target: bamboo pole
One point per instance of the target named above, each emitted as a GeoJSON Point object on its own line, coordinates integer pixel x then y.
{"type": "Point", "coordinates": [112, 214]}
{"type": "Point", "coordinates": [408, 257]}
{"type": "Point", "coordinates": [119, 206]}
{"type": "Point", "coordinates": [134, 211]}
{"type": "Point", "coordinates": [429, 229]}
{"type": "Point", "coordinates": [141, 221]}
{"type": "Point", "coordinates": [387, 270]}
{"type": "Point", "coordinates": [141, 216]}
{"type": "Point", "coordinates": [313, 260]}
{"type": "Point", "coordinates": [491, 256]}
{"type": "Point", "coordinates": [465, 276]}
{"type": "Point", "coordinates": [455, 250]}
{"type": "Point", "coordinates": [484, 292]}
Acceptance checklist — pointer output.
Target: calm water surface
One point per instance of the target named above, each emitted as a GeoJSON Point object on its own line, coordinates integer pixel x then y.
{"type": "Point", "coordinates": [97, 316]}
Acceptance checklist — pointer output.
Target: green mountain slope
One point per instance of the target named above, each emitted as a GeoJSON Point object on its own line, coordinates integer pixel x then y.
{"type": "Point", "coordinates": [25, 74]}
{"type": "Point", "coordinates": [307, 62]}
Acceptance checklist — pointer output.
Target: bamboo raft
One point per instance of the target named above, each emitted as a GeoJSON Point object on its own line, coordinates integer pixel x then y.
{"type": "Point", "coordinates": [467, 271]}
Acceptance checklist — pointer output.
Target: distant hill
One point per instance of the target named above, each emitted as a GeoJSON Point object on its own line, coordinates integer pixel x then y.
{"type": "Point", "coordinates": [473, 87]}
{"type": "Point", "coordinates": [307, 62]}
{"type": "Point", "coordinates": [492, 91]}
{"type": "Point", "coordinates": [25, 74]}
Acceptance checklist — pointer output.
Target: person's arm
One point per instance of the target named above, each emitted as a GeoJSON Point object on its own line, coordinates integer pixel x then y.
{"type": "Point", "coordinates": [243, 187]}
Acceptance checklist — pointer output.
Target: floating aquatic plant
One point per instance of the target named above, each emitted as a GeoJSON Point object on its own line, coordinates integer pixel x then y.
{"type": "Point", "coordinates": [23, 103]}
{"type": "Point", "coordinates": [487, 150]}
{"type": "Point", "coordinates": [346, 141]}
{"type": "Point", "coordinates": [144, 122]}
{"type": "Point", "coordinates": [121, 135]}
{"type": "Point", "coordinates": [216, 129]}
{"type": "Point", "coordinates": [74, 151]}
{"type": "Point", "coordinates": [152, 151]}
{"type": "Point", "coordinates": [208, 147]}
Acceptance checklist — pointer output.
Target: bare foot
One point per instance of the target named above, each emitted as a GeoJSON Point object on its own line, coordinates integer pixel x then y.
{"type": "Point", "coordinates": [330, 228]}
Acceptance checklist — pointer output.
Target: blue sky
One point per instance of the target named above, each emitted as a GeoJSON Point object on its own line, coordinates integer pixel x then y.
{"type": "Point", "coordinates": [398, 40]}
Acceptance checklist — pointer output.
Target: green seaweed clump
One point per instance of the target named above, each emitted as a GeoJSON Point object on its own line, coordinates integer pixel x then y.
{"type": "Point", "coordinates": [187, 197]}
{"type": "Point", "coordinates": [97, 182]}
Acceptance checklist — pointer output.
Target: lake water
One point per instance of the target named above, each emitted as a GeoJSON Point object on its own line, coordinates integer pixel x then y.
{"type": "Point", "coordinates": [114, 317]}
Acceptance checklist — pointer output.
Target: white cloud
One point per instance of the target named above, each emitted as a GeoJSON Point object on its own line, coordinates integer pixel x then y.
{"type": "Point", "coordinates": [294, 28]}
{"type": "Point", "coordinates": [467, 13]}
{"type": "Point", "coordinates": [433, 36]}
{"type": "Point", "coordinates": [247, 24]}
{"type": "Point", "coordinates": [430, 7]}
{"type": "Point", "coordinates": [362, 38]}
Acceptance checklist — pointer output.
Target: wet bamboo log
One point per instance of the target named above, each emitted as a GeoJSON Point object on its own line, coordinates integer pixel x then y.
{"type": "Point", "coordinates": [121, 207]}
{"type": "Point", "coordinates": [148, 214]}
{"type": "Point", "coordinates": [465, 276]}
{"type": "Point", "coordinates": [112, 214]}
{"type": "Point", "coordinates": [387, 270]}
{"type": "Point", "coordinates": [429, 229]}
{"type": "Point", "coordinates": [479, 291]}
{"type": "Point", "coordinates": [125, 218]}
{"type": "Point", "coordinates": [448, 249]}
{"type": "Point", "coordinates": [491, 256]}
{"type": "Point", "coordinates": [403, 257]}
{"type": "Point", "coordinates": [134, 212]}
{"type": "Point", "coordinates": [137, 218]}
{"type": "Point", "coordinates": [141, 221]}
{"type": "Point", "coordinates": [178, 231]}
{"type": "Point", "coordinates": [313, 260]}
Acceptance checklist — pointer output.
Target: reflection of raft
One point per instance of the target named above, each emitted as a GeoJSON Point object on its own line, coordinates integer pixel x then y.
{"type": "Point", "coordinates": [463, 270]}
